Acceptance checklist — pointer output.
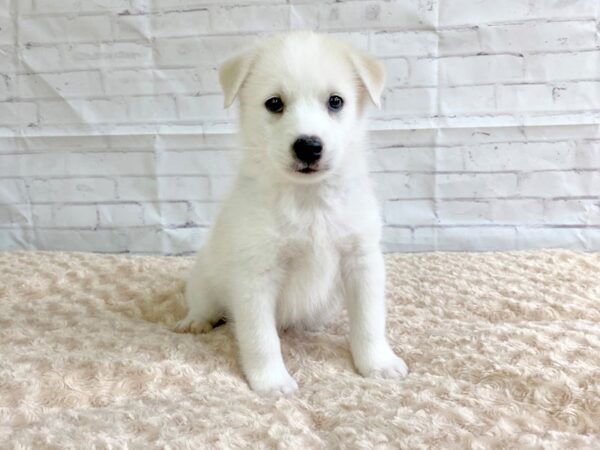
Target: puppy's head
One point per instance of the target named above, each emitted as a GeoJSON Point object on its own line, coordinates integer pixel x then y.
{"type": "Point", "coordinates": [302, 97]}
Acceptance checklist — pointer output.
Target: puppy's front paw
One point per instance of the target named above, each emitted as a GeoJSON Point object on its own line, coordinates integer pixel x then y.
{"type": "Point", "coordinates": [383, 366]}
{"type": "Point", "coordinates": [272, 383]}
{"type": "Point", "coordinates": [191, 325]}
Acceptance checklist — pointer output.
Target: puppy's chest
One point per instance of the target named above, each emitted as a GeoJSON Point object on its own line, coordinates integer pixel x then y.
{"type": "Point", "coordinates": [310, 258]}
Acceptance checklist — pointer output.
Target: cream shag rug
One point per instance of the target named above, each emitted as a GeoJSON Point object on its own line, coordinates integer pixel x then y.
{"type": "Point", "coordinates": [504, 351]}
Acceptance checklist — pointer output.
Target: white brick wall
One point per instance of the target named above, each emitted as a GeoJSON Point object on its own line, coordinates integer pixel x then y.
{"type": "Point", "coordinates": [113, 137]}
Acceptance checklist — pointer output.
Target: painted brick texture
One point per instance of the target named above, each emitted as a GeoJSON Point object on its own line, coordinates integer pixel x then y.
{"type": "Point", "coordinates": [113, 136]}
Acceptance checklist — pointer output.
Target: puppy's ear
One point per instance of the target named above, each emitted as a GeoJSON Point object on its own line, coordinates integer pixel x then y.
{"type": "Point", "coordinates": [232, 74]}
{"type": "Point", "coordinates": [371, 73]}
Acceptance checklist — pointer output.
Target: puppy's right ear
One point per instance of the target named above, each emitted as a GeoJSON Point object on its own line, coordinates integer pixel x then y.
{"type": "Point", "coordinates": [232, 74]}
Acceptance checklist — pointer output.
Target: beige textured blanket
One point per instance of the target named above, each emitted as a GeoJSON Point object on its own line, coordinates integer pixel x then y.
{"type": "Point", "coordinates": [504, 351]}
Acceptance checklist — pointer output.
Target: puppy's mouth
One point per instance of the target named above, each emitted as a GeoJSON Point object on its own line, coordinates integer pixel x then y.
{"type": "Point", "coordinates": [307, 169]}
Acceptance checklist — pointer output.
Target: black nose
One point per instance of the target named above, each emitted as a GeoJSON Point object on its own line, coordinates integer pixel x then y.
{"type": "Point", "coordinates": [308, 149]}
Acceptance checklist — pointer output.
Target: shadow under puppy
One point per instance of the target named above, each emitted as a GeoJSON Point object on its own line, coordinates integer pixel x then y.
{"type": "Point", "coordinates": [299, 233]}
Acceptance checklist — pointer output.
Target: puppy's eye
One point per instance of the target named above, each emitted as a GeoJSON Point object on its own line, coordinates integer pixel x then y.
{"type": "Point", "coordinates": [335, 103]}
{"type": "Point", "coordinates": [275, 105]}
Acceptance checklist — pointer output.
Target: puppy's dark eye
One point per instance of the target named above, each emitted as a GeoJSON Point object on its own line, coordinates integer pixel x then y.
{"type": "Point", "coordinates": [275, 105]}
{"type": "Point", "coordinates": [335, 103]}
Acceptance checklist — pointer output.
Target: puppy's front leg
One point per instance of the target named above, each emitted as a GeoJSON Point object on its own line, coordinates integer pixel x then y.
{"type": "Point", "coordinates": [364, 279]}
{"type": "Point", "coordinates": [260, 350]}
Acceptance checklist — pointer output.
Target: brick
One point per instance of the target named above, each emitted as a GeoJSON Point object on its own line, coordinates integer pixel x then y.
{"type": "Point", "coordinates": [467, 100]}
{"type": "Point", "coordinates": [459, 12]}
{"type": "Point", "coordinates": [75, 6]}
{"type": "Point", "coordinates": [519, 156]}
{"type": "Point", "coordinates": [572, 212]}
{"type": "Point", "coordinates": [167, 213]}
{"type": "Point", "coordinates": [586, 155]}
{"type": "Point", "coordinates": [6, 31]}
{"type": "Point", "coordinates": [184, 23]}
{"type": "Point", "coordinates": [175, 241]}
{"type": "Point", "coordinates": [185, 240]}
{"type": "Point", "coordinates": [43, 215]}
{"type": "Point", "coordinates": [398, 71]}
{"type": "Point", "coordinates": [358, 39]}
{"type": "Point", "coordinates": [138, 142]}
{"type": "Point", "coordinates": [163, 81]}
{"type": "Point", "coordinates": [395, 239]}
{"type": "Point", "coordinates": [114, 54]}
{"type": "Point", "coordinates": [120, 215]}
{"type": "Point", "coordinates": [47, 164]}
{"type": "Point", "coordinates": [391, 186]}
{"type": "Point", "coordinates": [404, 43]}
{"type": "Point", "coordinates": [204, 213]}
{"type": "Point", "coordinates": [516, 211]}
{"type": "Point", "coordinates": [205, 107]}
{"type": "Point", "coordinates": [162, 5]}
{"type": "Point", "coordinates": [418, 101]}
{"type": "Point", "coordinates": [563, 66]}
{"type": "Point", "coordinates": [578, 96]}
{"type": "Point", "coordinates": [559, 184]}
{"type": "Point", "coordinates": [525, 98]}
{"type": "Point", "coordinates": [369, 14]}
{"type": "Point", "coordinates": [75, 216]}
{"type": "Point", "coordinates": [114, 163]}
{"type": "Point", "coordinates": [462, 41]}
{"type": "Point", "coordinates": [49, 29]}
{"type": "Point", "coordinates": [6, 89]}
{"type": "Point", "coordinates": [41, 59]}
{"type": "Point", "coordinates": [403, 159]}
{"type": "Point", "coordinates": [555, 237]}
{"type": "Point", "coordinates": [463, 212]}
{"type": "Point", "coordinates": [17, 239]}
{"type": "Point", "coordinates": [68, 84]}
{"type": "Point", "coordinates": [253, 18]}
{"type": "Point", "coordinates": [83, 111]}
{"type": "Point", "coordinates": [476, 185]}
{"type": "Point", "coordinates": [32, 143]}
{"type": "Point", "coordinates": [188, 51]}
{"type": "Point", "coordinates": [8, 63]}
{"type": "Point", "coordinates": [72, 190]}
{"type": "Point", "coordinates": [524, 37]}
{"type": "Point", "coordinates": [465, 239]}
{"type": "Point", "coordinates": [151, 109]}
{"type": "Point", "coordinates": [480, 69]}
{"type": "Point", "coordinates": [13, 191]}
{"type": "Point", "coordinates": [105, 241]}
{"type": "Point", "coordinates": [537, 36]}
{"type": "Point", "coordinates": [220, 186]}
{"type": "Point", "coordinates": [423, 72]}
{"type": "Point", "coordinates": [134, 27]}
{"type": "Point", "coordinates": [163, 188]}
{"type": "Point", "coordinates": [100, 5]}
{"type": "Point", "coordinates": [15, 215]}
{"type": "Point", "coordinates": [18, 113]}
{"type": "Point", "coordinates": [10, 144]}
{"type": "Point", "coordinates": [410, 213]}
{"type": "Point", "coordinates": [217, 162]}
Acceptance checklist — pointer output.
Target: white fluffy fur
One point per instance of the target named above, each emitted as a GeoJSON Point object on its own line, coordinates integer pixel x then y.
{"type": "Point", "coordinates": [288, 248]}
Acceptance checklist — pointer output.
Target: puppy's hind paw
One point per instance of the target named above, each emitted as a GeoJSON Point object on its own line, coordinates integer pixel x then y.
{"type": "Point", "coordinates": [191, 325]}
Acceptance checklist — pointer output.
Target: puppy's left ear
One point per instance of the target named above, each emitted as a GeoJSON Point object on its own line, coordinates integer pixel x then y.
{"type": "Point", "coordinates": [232, 74]}
{"type": "Point", "coordinates": [371, 73]}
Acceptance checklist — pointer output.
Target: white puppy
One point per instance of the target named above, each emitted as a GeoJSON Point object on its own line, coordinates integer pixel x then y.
{"type": "Point", "coordinates": [299, 233]}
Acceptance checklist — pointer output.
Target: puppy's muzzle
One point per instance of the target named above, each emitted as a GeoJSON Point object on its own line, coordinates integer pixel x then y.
{"type": "Point", "coordinates": [308, 149]}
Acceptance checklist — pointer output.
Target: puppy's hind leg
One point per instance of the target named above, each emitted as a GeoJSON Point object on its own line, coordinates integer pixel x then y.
{"type": "Point", "coordinates": [203, 310]}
